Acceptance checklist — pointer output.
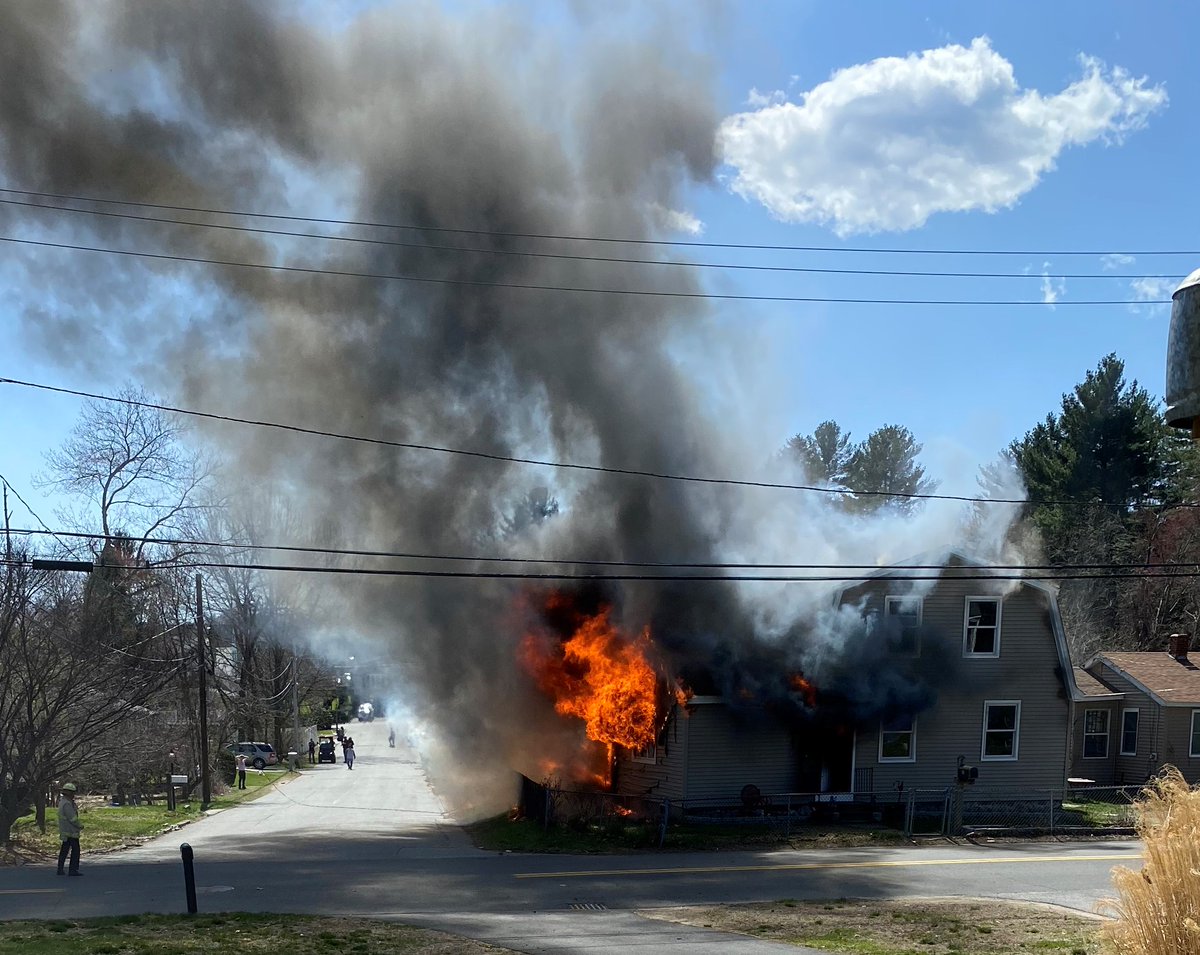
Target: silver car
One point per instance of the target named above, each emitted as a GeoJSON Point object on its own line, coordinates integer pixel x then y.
{"type": "Point", "coordinates": [257, 755]}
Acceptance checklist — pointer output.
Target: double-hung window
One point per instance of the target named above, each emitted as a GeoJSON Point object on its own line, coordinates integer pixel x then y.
{"type": "Point", "coordinates": [1095, 734]}
{"type": "Point", "coordinates": [647, 753]}
{"type": "Point", "coordinates": [1194, 750]}
{"type": "Point", "coordinates": [902, 618]}
{"type": "Point", "coordinates": [1129, 732]}
{"type": "Point", "coordinates": [1001, 729]}
{"type": "Point", "coordinates": [981, 627]}
{"type": "Point", "coordinates": [898, 740]}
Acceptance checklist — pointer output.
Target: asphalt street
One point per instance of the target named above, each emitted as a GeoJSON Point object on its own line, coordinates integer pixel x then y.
{"type": "Point", "coordinates": [376, 842]}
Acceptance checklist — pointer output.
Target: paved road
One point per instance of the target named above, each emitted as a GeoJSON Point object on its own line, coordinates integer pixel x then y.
{"type": "Point", "coordinates": [374, 841]}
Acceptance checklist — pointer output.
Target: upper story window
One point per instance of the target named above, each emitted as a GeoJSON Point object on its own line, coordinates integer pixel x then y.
{"type": "Point", "coordinates": [981, 627]}
{"type": "Point", "coordinates": [647, 754]}
{"type": "Point", "coordinates": [1001, 729]}
{"type": "Point", "coordinates": [898, 740]}
{"type": "Point", "coordinates": [1095, 734]}
{"type": "Point", "coordinates": [902, 618]}
{"type": "Point", "coordinates": [1129, 732]}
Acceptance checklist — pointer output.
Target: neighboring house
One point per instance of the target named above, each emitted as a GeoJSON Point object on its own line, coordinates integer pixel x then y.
{"type": "Point", "coordinates": [987, 658]}
{"type": "Point", "coordinates": [1142, 712]}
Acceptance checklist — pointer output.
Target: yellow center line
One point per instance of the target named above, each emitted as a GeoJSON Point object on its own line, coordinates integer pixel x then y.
{"type": "Point", "coordinates": [801, 866]}
{"type": "Point", "coordinates": [30, 891]}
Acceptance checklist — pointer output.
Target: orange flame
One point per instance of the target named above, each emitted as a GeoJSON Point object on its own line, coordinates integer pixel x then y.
{"type": "Point", "coordinates": [599, 675]}
{"type": "Point", "coordinates": [805, 688]}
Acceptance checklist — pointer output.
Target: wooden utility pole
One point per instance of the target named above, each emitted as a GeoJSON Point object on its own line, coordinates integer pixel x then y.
{"type": "Point", "coordinates": [7, 534]}
{"type": "Point", "coordinates": [202, 659]}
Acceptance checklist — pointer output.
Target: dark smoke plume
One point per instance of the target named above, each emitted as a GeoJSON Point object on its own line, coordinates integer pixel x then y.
{"type": "Point", "coordinates": [442, 122]}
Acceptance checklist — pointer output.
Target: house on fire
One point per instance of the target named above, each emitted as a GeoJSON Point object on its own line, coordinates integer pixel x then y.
{"type": "Point", "coordinates": [1141, 712]}
{"type": "Point", "coordinates": [966, 669]}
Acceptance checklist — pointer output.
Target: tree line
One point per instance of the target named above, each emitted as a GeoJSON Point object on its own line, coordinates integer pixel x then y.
{"type": "Point", "coordinates": [99, 672]}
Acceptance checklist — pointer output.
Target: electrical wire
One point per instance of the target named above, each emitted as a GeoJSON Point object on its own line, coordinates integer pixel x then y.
{"type": "Point", "coordinates": [566, 465]}
{"type": "Point", "coordinates": [682, 243]}
{"type": "Point", "coordinates": [894, 574]}
{"type": "Point", "coordinates": [535, 287]}
{"type": "Point", "coordinates": [564, 256]}
{"type": "Point", "coordinates": [682, 565]}
{"type": "Point", "coordinates": [8, 484]}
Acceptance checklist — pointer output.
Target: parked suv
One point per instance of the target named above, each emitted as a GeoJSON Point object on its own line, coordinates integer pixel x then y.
{"type": "Point", "coordinates": [257, 755]}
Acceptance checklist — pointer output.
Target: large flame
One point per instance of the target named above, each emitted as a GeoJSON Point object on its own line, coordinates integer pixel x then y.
{"type": "Point", "coordinates": [600, 675]}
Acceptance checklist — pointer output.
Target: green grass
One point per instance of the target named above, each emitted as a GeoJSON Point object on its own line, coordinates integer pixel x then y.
{"type": "Point", "coordinates": [111, 827]}
{"type": "Point", "coordinates": [225, 935]}
{"type": "Point", "coordinates": [1099, 814]}
{"type": "Point", "coordinates": [500, 834]}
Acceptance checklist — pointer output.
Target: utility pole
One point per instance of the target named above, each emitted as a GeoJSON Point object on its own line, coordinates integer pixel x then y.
{"type": "Point", "coordinates": [295, 703]}
{"type": "Point", "coordinates": [202, 658]}
{"type": "Point", "coordinates": [7, 535]}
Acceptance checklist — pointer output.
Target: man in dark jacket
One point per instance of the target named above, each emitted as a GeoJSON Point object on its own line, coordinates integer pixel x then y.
{"type": "Point", "coordinates": [68, 829]}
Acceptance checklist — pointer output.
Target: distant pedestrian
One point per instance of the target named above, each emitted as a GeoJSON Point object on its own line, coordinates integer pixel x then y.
{"type": "Point", "coordinates": [312, 750]}
{"type": "Point", "coordinates": [391, 737]}
{"type": "Point", "coordinates": [241, 770]}
{"type": "Point", "coordinates": [349, 753]}
{"type": "Point", "coordinates": [68, 829]}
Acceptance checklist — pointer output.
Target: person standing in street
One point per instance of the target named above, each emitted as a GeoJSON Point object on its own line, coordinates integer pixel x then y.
{"type": "Point", "coordinates": [312, 750]}
{"type": "Point", "coordinates": [349, 753]}
{"type": "Point", "coordinates": [241, 771]}
{"type": "Point", "coordinates": [391, 737]}
{"type": "Point", "coordinates": [68, 830]}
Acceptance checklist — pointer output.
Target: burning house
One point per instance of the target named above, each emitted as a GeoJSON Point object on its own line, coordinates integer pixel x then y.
{"type": "Point", "coordinates": [960, 670]}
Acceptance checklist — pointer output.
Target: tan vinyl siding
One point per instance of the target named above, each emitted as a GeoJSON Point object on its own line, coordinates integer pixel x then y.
{"type": "Point", "coordinates": [1027, 669]}
{"type": "Point", "coordinates": [725, 754]}
{"type": "Point", "coordinates": [1132, 770]}
{"type": "Point", "coordinates": [665, 778]}
{"type": "Point", "coordinates": [1102, 771]}
{"type": "Point", "coordinates": [1177, 732]}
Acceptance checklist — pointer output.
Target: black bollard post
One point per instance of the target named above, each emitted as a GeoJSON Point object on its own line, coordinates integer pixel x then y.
{"type": "Point", "coordinates": [189, 877]}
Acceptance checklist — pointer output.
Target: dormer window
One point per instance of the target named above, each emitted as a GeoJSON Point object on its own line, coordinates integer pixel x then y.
{"type": "Point", "coordinates": [902, 619]}
{"type": "Point", "coordinates": [981, 627]}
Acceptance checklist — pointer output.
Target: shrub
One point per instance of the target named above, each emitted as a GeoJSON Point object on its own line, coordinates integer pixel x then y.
{"type": "Point", "coordinates": [1158, 909]}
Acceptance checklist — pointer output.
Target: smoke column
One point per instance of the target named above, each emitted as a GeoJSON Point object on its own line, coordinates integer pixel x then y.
{"type": "Point", "coordinates": [472, 121]}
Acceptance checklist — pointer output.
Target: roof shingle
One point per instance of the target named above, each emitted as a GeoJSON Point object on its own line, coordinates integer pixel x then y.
{"type": "Point", "coordinates": [1174, 680]}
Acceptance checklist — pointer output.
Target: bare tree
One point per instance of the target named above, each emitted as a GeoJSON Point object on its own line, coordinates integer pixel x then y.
{"type": "Point", "coordinates": [129, 461]}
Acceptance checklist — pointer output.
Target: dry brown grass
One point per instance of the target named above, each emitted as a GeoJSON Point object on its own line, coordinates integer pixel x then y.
{"type": "Point", "coordinates": [1158, 909]}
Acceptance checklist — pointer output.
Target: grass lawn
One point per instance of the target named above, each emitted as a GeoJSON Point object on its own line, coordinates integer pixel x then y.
{"type": "Point", "coordinates": [108, 827]}
{"type": "Point", "coordinates": [893, 927]}
{"type": "Point", "coordinates": [226, 935]}
{"type": "Point", "coordinates": [618, 835]}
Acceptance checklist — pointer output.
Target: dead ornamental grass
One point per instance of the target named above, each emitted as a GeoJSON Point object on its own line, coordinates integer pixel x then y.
{"type": "Point", "coordinates": [1158, 909]}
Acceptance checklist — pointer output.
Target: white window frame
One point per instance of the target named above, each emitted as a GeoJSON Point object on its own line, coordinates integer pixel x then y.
{"type": "Point", "coordinates": [1137, 729]}
{"type": "Point", "coordinates": [912, 744]}
{"type": "Point", "coordinates": [647, 754]}
{"type": "Point", "coordinates": [1192, 739]}
{"type": "Point", "coordinates": [1106, 734]}
{"type": "Point", "coordinates": [967, 651]}
{"type": "Point", "coordinates": [1016, 731]}
{"type": "Point", "coordinates": [893, 599]}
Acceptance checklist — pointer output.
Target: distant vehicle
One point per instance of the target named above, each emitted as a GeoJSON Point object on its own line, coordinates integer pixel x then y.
{"type": "Point", "coordinates": [327, 751]}
{"type": "Point", "coordinates": [258, 755]}
{"type": "Point", "coordinates": [366, 713]}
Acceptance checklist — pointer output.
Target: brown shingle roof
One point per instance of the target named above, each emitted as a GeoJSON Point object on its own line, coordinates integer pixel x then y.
{"type": "Point", "coordinates": [1161, 673]}
{"type": "Point", "coordinates": [1090, 684]}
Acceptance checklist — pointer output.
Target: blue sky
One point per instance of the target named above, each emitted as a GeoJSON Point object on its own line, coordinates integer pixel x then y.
{"type": "Point", "coordinates": [1064, 126]}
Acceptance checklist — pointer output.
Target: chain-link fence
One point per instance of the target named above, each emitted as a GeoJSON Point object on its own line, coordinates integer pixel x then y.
{"type": "Point", "coordinates": [952, 810]}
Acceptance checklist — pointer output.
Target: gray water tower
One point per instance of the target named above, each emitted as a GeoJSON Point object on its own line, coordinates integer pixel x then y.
{"type": "Point", "coordinates": [1183, 357]}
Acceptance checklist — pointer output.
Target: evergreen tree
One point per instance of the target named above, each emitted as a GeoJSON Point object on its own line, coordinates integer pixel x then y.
{"type": "Point", "coordinates": [887, 462]}
{"type": "Point", "coordinates": [824, 454]}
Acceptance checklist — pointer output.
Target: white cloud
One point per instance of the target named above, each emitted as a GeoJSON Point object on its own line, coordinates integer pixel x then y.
{"type": "Point", "coordinates": [886, 144]}
{"type": "Point", "coordinates": [1052, 288]}
{"type": "Point", "coordinates": [1152, 289]}
{"type": "Point", "coordinates": [1115, 260]}
{"type": "Point", "coordinates": [757, 99]}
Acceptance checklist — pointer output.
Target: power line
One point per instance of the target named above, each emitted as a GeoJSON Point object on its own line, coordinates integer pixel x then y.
{"type": "Point", "coordinates": [678, 578]}
{"type": "Point", "coordinates": [582, 290]}
{"type": "Point", "coordinates": [564, 256]}
{"type": "Point", "coordinates": [7, 483]}
{"type": "Point", "coordinates": [479, 559]}
{"type": "Point", "coordinates": [567, 465]}
{"type": "Point", "coordinates": [682, 243]}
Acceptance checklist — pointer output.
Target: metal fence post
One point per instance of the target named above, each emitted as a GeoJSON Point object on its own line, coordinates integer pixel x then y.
{"type": "Point", "coordinates": [666, 819]}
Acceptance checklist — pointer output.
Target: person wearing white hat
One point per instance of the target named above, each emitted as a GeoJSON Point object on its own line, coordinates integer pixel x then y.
{"type": "Point", "coordinates": [68, 829]}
